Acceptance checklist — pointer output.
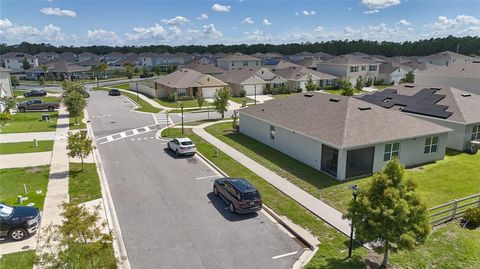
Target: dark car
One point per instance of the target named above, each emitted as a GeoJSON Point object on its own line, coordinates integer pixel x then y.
{"type": "Point", "coordinates": [239, 194]}
{"type": "Point", "coordinates": [37, 105]}
{"type": "Point", "coordinates": [18, 222]}
{"type": "Point", "coordinates": [114, 92]}
{"type": "Point", "coordinates": [35, 93]}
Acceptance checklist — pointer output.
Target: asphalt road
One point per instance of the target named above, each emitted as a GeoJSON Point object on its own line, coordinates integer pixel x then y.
{"type": "Point", "coordinates": [167, 212]}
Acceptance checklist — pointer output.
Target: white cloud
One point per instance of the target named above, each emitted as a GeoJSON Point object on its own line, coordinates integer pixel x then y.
{"type": "Point", "coordinates": [220, 8]}
{"type": "Point", "coordinates": [444, 23]}
{"type": "Point", "coordinates": [50, 11]}
{"type": "Point", "coordinates": [380, 4]}
{"type": "Point", "coordinates": [266, 22]}
{"type": "Point", "coordinates": [373, 11]}
{"type": "Point", "coordinates": [248, 20]}
{"type": "Point", "coordinates": [12, 32]}
{"type": "Point", "coordinates": [175, 21]}
{"type": "Point", "coordinates": [296, 13]}
{"type": "Point", "coordinates": [403, 22]}
{"type": "Point", "coordinates": [211, 31]}
{"type": "Point", "coordinates": [320, 29]}
{"type": "Point", "coordinates": [157, 31]}
{"type": "Point", "coordinates": [309, 13]}
{"type": "Point", "coordinates": [102, 36]}
{"type": "Point", "coordinates": [204, 16]}
{"type": "Point", "coordinates": [5, 23]}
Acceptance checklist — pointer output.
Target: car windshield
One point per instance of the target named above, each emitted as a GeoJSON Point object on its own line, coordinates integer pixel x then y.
{"type": "Point", "coordinates": [5, 211]}
{"type": "Point", "coordinates": [186, 143]}
{"type": "Point", "coordinates": [254, 195]}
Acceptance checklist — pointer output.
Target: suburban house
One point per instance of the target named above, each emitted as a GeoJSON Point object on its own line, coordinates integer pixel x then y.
{"type": "Point", "coordinates": [5, 85]}
{"type": "Point", "coordinates": [163, 60]}
{"type": "Point", "coordinates": [237, 61]}
{"type": "Point", "coordinates": [298, 76]}
{"type": "Point", "coordinates": [392, 72]}
{"type": "Point", "coordinates": [268, 58]}
{"type": "Point", "coordinates": [187, 82]}
{"type": "Point", "coordinates": [450, 107]}
{"type": "Point", "coordinates": [85, 56]}
{"type": "Point", "coordinates": [46, 57]}
{"type": "Point", "coordinates": [446, 58]}
{"type": "Point", "coordinates": [202, 60]}
{"type": "Point", "coordinates": [282, 64]}
{"type": "Point", "coordinates": [341, 136]}
{"type": "Point", "coordinates": [62, 70]}
{"type": "Point", "coordinates": [14, 61]}
{"type": "Point", "coordinates": [114, 57]}
{"type": "Point", "coordinates": [351, 67]}
{"type": "Point", "coordinates": [309, 55]}
{"type": "Point", "coordinates": [464, 76]}
{"type": "Point", "coordinates": [67, 57]}
{"type": "Point", "coordinates": [205, 68]}
{"type": "Point", "coordinates": [35, 73]}
{"type": "Point", "coordinates": [310, 63]}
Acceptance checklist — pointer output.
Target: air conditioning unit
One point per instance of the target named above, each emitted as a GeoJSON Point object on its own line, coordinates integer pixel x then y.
{"type": "Point", "coordinates": [474, 146]}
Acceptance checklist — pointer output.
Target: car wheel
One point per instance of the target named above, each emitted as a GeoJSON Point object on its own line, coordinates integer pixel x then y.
{"type": "Point", "coordinates": [22, 109]}
{"type": "Point", "coordinates": [231, 208]}
{"type": "Point", "coordinates": [177, 153]}
{"type": "Point", "coordinates": [18, 234]}
{"type": "Point", "coordinates": [215, 191]}
{"type": "Point", "coordinates": [51, 109]}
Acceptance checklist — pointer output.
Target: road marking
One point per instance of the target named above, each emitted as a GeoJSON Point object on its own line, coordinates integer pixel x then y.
{"type": "Point", "coordinates": [155, 119]}
{"type": "Point", "coordinates": [147, 129]}
{"type": "Point", "coordinates": [145, 138]}
{"type": "Point", "coordinates": [284, 255]}
{"type": "Point", "coordinates": [198, 178]}
{"type": "Point", "coordinates": [135, 132]}
{"type": "Point", "coordinates": [109, 138]}
{"type": "Point", "coordinates": [123, 134]}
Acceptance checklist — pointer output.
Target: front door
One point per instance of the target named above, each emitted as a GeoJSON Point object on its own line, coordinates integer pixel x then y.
{"type": "Point", "coordinates": [195, 92]}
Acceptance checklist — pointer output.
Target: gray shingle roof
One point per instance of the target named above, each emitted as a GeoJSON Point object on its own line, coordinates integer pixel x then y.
{"type": "Point", "coordinates": [341, 123]}
{"type": "Point", "coordinates": [185, 78]}
{"type": "Point", "coordinates": [205, 68]}
{"type": "Point", "coordinates": [238, 57]}
{"type": "Point", "coordinates": [299, 72]}
{"type": "Point", "coordinates": [350, 59]}
{"type": "Point", "coordinates": [466, 70]}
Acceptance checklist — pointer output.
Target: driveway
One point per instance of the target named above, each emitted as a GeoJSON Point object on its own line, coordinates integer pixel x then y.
{"type": "Point", "coordinates": [167, 212]}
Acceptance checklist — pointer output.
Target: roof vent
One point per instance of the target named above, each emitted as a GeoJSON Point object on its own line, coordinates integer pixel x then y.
{"type": "Point", "coordinates": [435, 88]}
{"type": "Point", "coordinates": [362, 108]}
{"type": "Point", "coordinates": [308, 94]}
{"type": "Point", "coordinates": [335, 100]}
{"type": "Point", "coordinates": [409, 85]}
{"type": "Point", "coordinates": [466, 95]}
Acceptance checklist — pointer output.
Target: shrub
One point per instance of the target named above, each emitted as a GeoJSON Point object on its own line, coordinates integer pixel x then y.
{"type": "Point", "coordinates": [368, 83]}
{"type": "Point", "coordinates": [277, 90]}
{"type": "Point", "coordinates": [286, 89]}
{"type": "Point", "coordinates": [172, 97]}
{"type": "Point", "coordinates": [379, 82]}
{"type": "Point", "coordinates": [242, 93]}
{"type": "Point", "coordinates": [185, 98]}
{"type": "Point", "coordinates": [472, 217]}
{"type": "Point", "coordinates": [299, 90]}
{"type": "Point", "coordinates": [5, 116]}
{"type": "Point", "coordinates": [266, 91]}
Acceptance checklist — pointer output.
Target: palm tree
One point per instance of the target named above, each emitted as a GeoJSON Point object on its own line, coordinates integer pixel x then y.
{"type": "Point", "coordinates": [44, 67]}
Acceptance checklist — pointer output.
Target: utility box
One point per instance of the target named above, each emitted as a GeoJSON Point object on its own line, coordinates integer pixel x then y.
{"type": "Point", "coordinates": [46, 117]}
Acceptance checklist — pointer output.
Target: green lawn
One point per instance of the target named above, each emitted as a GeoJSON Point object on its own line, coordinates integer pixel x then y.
{"type": "Point", "coordinates": [144, 106]}
{"type": "Point", "coordinates": [200, 122]}
{"type": "Point", "coordinates": [334, 245]}
{"type": "Point", "coordinates": [18, 260]}
{"type": "Point", "coordinates": [29, 122]}
{"type": "Point", "coordinates": [187, 103]}
{"type": "Point", "coordinates": [382, 87]}
{"type": "Point", "coordinates": [12, 182]}
{"type": "Point", "coordinates": [458, 175]}
{"type": "Point", "coordinates": [121, 86]}
{"type": "Point", "coordinates": [239, 100]}
{"type": "Point", "coordinates": [19, 92]}
{"type": "Point", "coordinates": [83, 185]}
{"type": "Point", "coordinates": [339, 92]}
{"type": "Point", "coordinates": [26, 147]}
{"type": "Point", "coordinates": [81, 124]}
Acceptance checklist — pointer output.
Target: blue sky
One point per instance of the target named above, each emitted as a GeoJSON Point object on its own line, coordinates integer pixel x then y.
{"type": "Point", "coordinates": [110, 22]}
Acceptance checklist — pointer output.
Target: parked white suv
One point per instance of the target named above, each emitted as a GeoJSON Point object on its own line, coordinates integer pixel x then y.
{"type": "Point", "coordinates": [182, 146]}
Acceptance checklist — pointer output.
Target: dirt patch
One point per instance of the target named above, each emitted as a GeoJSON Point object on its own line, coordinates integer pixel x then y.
{"type": "Point", "coordinates": [33, 169]}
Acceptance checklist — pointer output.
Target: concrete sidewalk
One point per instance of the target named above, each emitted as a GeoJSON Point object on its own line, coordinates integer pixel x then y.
{"type": "Point", "coordinates": [314, 205]}
{"type": "Point", "coordinates": [25, 159]}
{"type": "Point", "coordinates": [24, 137]}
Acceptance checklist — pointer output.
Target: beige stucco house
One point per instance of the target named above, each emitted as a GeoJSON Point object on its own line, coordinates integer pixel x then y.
{"type": "Point", "coordinates": [298, 76]}
{"type": "Point", "coordinates": [351, 67]}
{"type": "Point", "coordinates": [237, 61]}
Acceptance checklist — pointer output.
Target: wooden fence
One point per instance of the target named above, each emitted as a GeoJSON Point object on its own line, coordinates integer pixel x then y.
{"type": "Point", "coordinates": [451, 210]}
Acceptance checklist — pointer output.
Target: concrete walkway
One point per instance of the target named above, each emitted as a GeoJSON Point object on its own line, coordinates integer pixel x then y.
{"type": "Point", "coordinates": [314, 205]}
{"type": "Point", "coordinates": [57, 190]}
{"type": "Point", "coordinates": [25, 159]}
{"type": "Point", "coordinates": [24, 137]}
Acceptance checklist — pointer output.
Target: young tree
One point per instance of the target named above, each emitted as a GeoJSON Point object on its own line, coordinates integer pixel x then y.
{"type": "Point", "coordinates": [25, 64]}
{"type": "Point", "coordinates": [200, 99]}
{"type": "Point", "coordinates": [75, 103]}
{"type": "Point", "coordinates": [156, 70]}
{"type": "Point", "coordinates": [310, 85]}
{"type": "Point", "coordinates": [79, 145]}
{"type": "Point", "coordinates": [345, 85]}
{"type": "Point", "coordinates": [220, 100]}
{"type": "Point", "coordinates": [14, 81]}
{"type": "Point", "coordinates": [44, 67]}
{"type": "Point", "coordinates": [101, 68]}
{"type": "Point", "coordinates": [8, 103]}
{"type": "Point", "coordinates": [129, 69]}
{"type": "Point", "coordinates": [359, 83]}
{"type": "Point", "coordinates": [41, 81]}
{"type": "Point", "coordinates": [79, 242]}
{"type": "Point", "coordinates": [389, 210]}
{"type": "Point", "coordinates": [409, 77]}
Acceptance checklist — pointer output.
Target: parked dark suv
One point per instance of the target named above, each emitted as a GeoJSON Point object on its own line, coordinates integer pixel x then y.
{"type": "Point", "coordinates": [114, 92]}
{"type": "Point", "coordinates": [35, 93]}
{"type": "Point", "coordinates": [18, 222]}
{"type": "Point", "coordinates": [239, 194]}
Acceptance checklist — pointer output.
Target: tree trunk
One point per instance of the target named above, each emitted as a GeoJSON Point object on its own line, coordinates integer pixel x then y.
{"type": "Point", "coordinates": [385, 255]}
{"type": "Point", "coordinates": [76, 123]}
{"type": "Point", "coordinates": [223, 115]}
{"type": "Point", "coordinates": [81, 158]}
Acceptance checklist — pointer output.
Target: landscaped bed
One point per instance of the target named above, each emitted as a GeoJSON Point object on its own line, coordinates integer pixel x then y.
{"type": "Point", "coordinates": [26, 147]}
{"type": "Point", "coordinates": [29, 122]}
{"type": "Point", "coordinates": [83, 186]}
{"type": "Point", "coordinates": [457, 176]}
{"type": "Point", "coordinates": [80, 125]}
{"type": "Point", "coordinates": [12, 183]}
{"type": "Point", "coordinates": [186, 104]}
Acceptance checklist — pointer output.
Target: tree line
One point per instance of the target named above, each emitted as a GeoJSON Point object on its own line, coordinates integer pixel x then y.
{"type": "Point", "coordinates": [466, 45]}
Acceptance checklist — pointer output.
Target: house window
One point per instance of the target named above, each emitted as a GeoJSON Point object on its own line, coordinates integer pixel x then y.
{"type": "Point", "coordinates": [364, 67]}
{"type": "Point", "coordinates": [272, 132]}
{"type": "Point", "coordinates": [233, 64]}
{"type": "Point", "coordinates": [476, 132]}
{"type": "Point", "coordinates": [431, 145]}
{"type": "Point", "coordinates": [372, 68]}
{"type": "Point", "coordinates": [245, 63]}
{"type": "Point", "coordinates": [353, 69]}
{"type": "Point", "coordinates": [391, 150]}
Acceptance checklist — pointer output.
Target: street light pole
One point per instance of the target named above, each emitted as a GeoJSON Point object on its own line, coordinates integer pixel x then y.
{"type": "Point", "coordinates": [354, 189]}
{"type": "Point", "coordinates": [136, 86]}
{"type": "Point", "coordinates": [255, 87]}
{"type": "Point", "coordinates": [181, 106]}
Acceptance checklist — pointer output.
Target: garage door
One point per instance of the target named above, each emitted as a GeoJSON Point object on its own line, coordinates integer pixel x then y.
{"type": "Point", "coordinates": [209, 92]}
{"type": "Point", "coordinates": [250, 89]}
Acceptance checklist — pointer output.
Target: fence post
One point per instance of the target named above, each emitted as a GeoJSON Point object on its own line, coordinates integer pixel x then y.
{"type": "Point", "coordinates": [454, 209]}
{"type": "Point", "coordinates": [478, 200]}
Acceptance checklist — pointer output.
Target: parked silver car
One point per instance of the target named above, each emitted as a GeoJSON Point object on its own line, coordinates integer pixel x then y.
{"type": "Point", "coordinates": [182, 146]}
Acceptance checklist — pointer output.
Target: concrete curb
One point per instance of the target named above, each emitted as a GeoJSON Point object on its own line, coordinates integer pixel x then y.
{"type": "Point", "coordinates": [303, 235]}
{"type": "Point", "coordinates": [119, 248]}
